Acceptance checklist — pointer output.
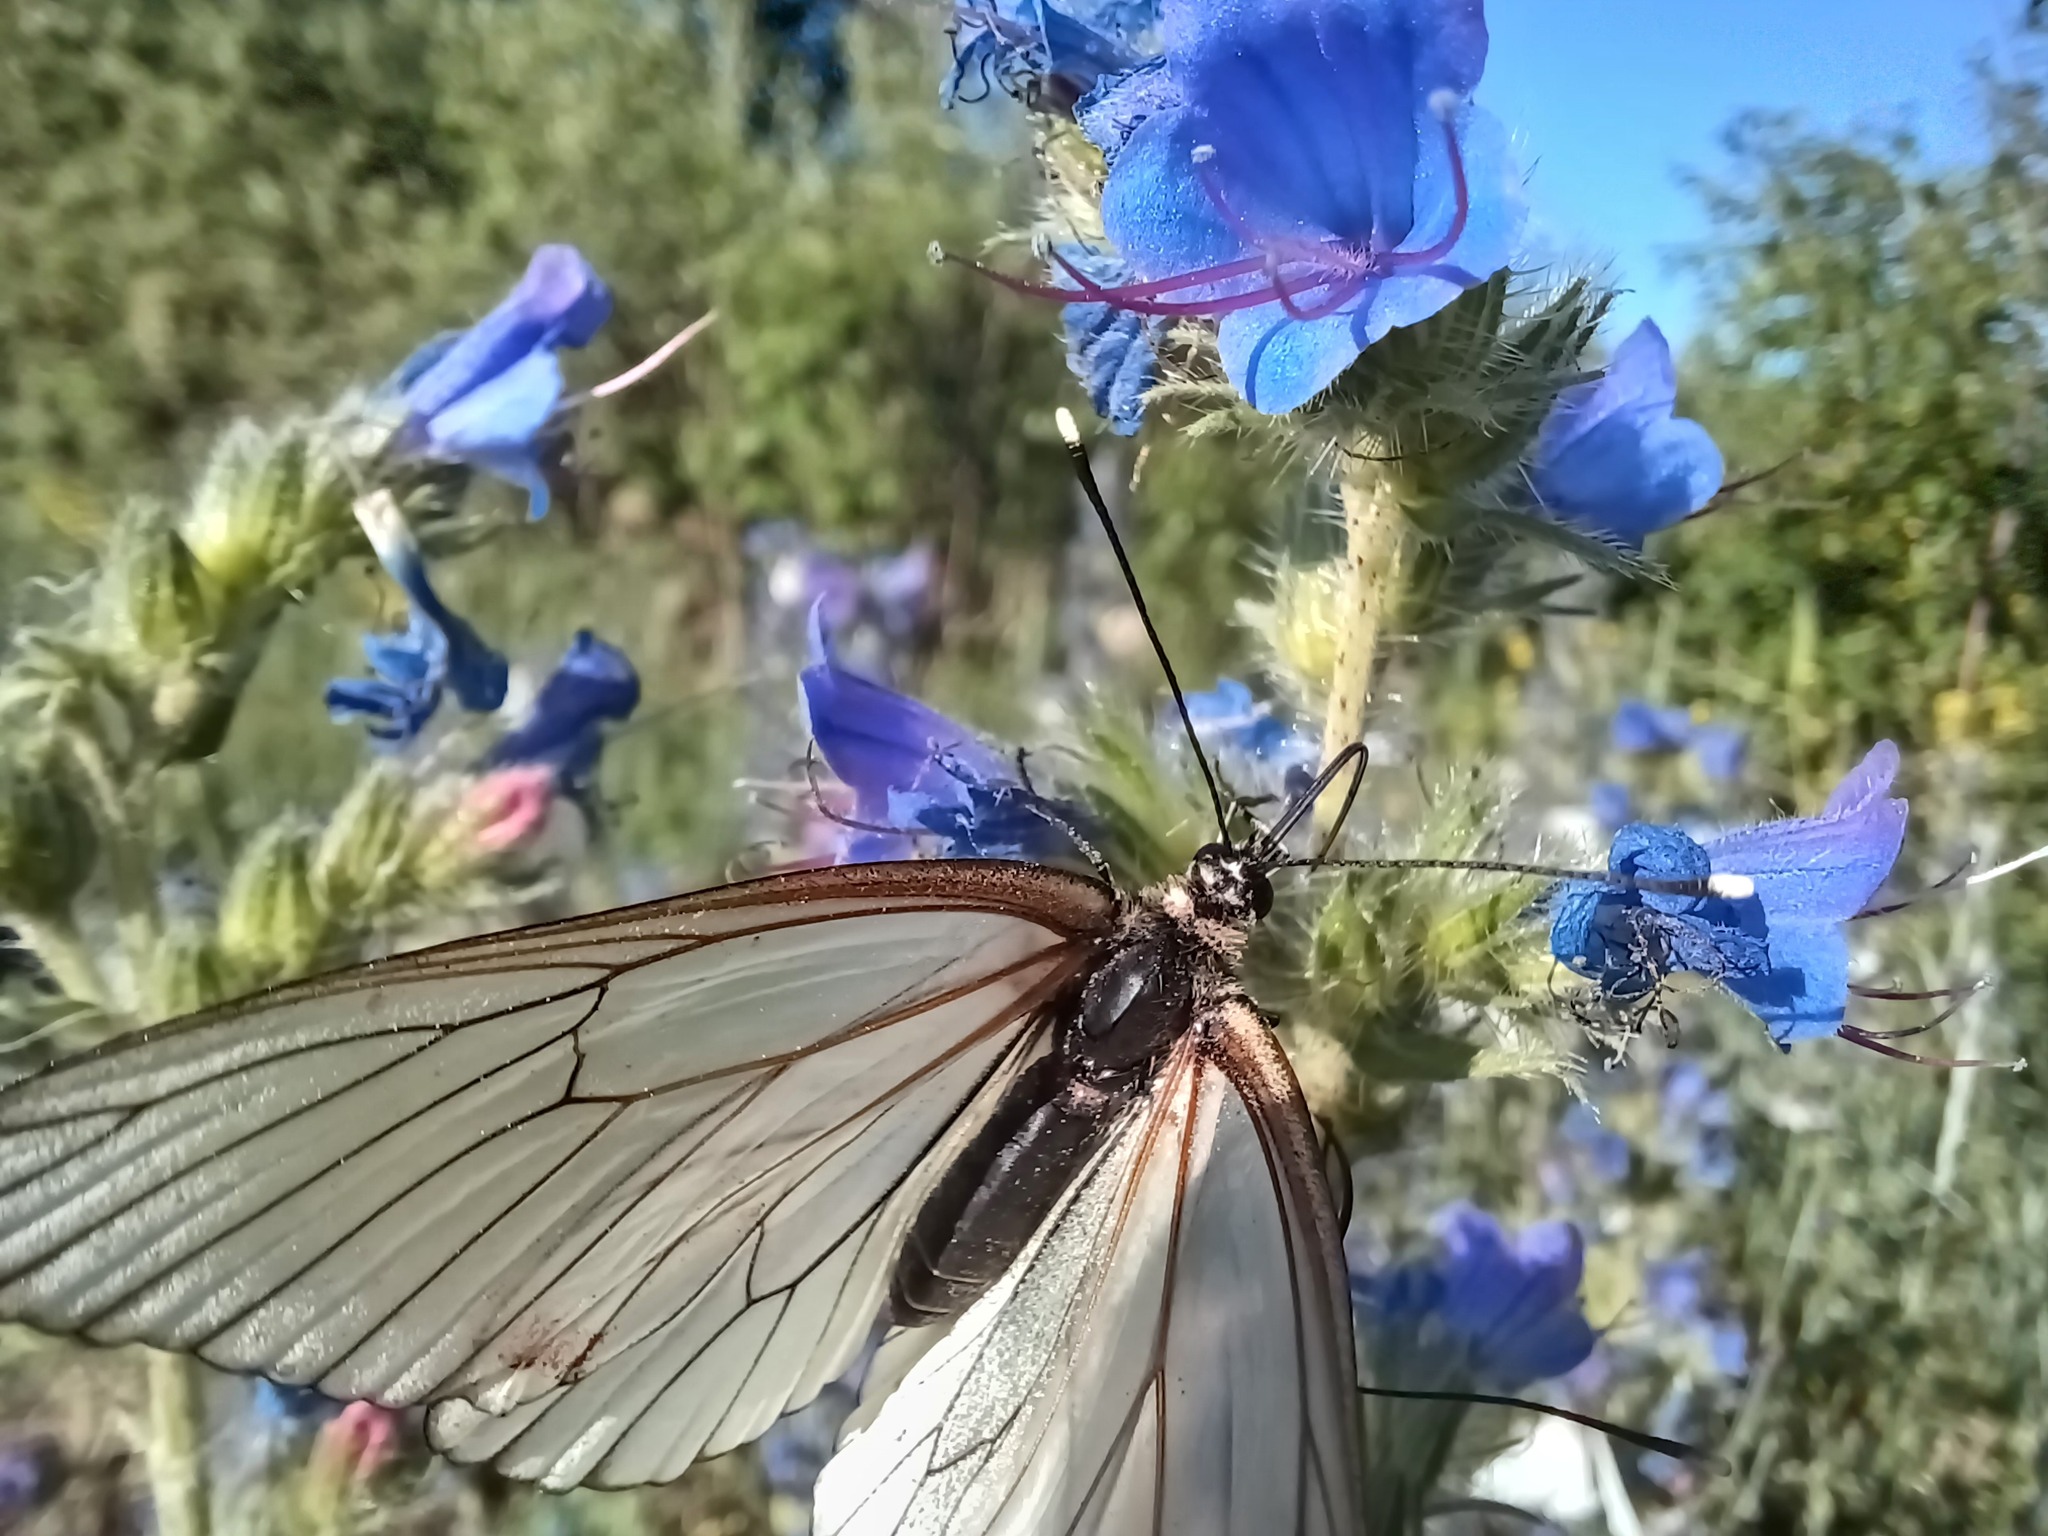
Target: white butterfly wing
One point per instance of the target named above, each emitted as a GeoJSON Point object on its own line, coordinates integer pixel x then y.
{"type": "Point", "coordinates": [1173, 1353]}
{"type": "Point", "coordinates": [612, 1193]}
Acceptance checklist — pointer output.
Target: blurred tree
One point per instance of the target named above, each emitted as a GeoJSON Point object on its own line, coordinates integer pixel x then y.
{"type": "Point", "coordinates": [240, 202]}
{"type": "Point", "coordinates": [1884, 324]}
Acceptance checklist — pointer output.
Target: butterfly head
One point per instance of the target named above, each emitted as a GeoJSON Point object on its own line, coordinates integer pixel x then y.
{"type": "Point", "coordinates": [1228, 885]}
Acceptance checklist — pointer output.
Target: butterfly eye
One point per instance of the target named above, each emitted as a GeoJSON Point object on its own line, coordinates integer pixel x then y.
{"type": "Point", "coordinates": [1211, 853]}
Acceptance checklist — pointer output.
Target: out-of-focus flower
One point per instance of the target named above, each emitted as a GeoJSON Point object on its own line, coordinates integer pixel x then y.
{"type": "Point", "coordinates": [1696, 1125]}
{"type": "Point", "coordinates": [1252, 745]}
{"type": "Point", "coordinates": [1609, 802]}
{"type": "Point", "coordinates": [1678, 1293]}
{"type": "Point", "coordinates": [1487, 1309]}
{"type": "Point", "coordinates": [437, 649]}
{"type": "Point", "coordinates": [1312, 175]}
{"type": "Point", "coordinates": [1048, 56]}
{"type": "Point", "coordinates": [487, 396]}
{"type": "Point", "coordinates": [897, 593]}
{"type": "Point", "coordinates": [1641, 727]}
{"type": "Point", "coordinates": [1611, 456]}
{"type": "Point", "coordinates": [32, 1470]}
{"type": "Point", "coordinates": [593, 684]}
{"type": "Point", "coordinates": [510, 805]}
{"type": "Point", "coordinates": [358, 1441]}
{"type": "Point", "coordinates": [1769, 926]}
{"type": "Point", "coordinates": [917, 777]}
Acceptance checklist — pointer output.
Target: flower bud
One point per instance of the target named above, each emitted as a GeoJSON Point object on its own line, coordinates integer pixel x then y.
{"type": "Point", "coordinates": [47, 842]}
{"type": "Point", "coordinates": [186, 972]}
{"type": "Point", "coordinates": [272, 923]}
{"type": "Point", "coordinates": [363, 863]}
{"type": "Point", "coordinates": [272, 508]}
{"type": "Point", "coordinates": [1299, 626]}
{"type": "Point", "coordinates": [167, 606]}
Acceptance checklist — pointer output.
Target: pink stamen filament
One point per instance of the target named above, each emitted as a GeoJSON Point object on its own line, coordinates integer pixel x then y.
{"type": "Point", "coordinates": [1336, 269]}
{"type": "Point", "coordinates": [1855, 1036]}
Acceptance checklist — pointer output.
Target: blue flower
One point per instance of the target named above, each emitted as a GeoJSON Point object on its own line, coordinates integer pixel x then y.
{"type": "Point", "coordinates": [1613, 459]}
{"type": "Point", "coordinates": [1638, 726]}
{"type": "Point", "coordinates": [917, 777]}
{"type": "Point", "coordinates": [1696, 1125]}
{"type": "Point", "coordinates": [1255, 749]}
{"type": "Point", "coordinates": [592, 684]}
{"type": "Point", "coordinates": [1494, 1310]}
{"type": "Point", "coordinates": [1678, 1294]}
{"type": "Point", "coordinates": [1608, 801]}
{"type": "Point", "coordinates": [1113, 352]}
{"type": "Point", "coordinates": [1769, 927]}
{"type": "Point", "coordinates": [1043, 54]}
{"type": "Point", "coordinates": [1641, 727]}
{"type": "Point", "coordinates": [1310, 172]}
{"type": "Point", "coordinates": [437, 649]}
{"type": "Point", "coordinates": [487, 396]}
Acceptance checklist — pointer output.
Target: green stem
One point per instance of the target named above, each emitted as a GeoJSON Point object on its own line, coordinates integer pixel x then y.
{"type": "Point", "coordinates": [57, 943]}
{"type": "Point", "coordinates": [1375, 559]}
{"type": "Point", "coordinates": [177, 1441]}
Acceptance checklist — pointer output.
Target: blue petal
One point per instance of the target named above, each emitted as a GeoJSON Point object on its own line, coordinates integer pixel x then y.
{"type": "Point", "coordinates": [1279, 363]}
{"type": "Point", "coordinates": [1111, 351]}
{"type": "Point", "coordinates": [1643, 727]}
{"type": "Point", "coordinates": [1720, 751]}
{"type": "Point", "coordinates": [559, 302]}
{"type": "Point", "coordinates": [878, 741]}
{"type": "Point", "coordinates": [1659, 853]}
{"type": "Point", "coordinates": [1823, 868]}
{"type": "Point", "coordinates": [592, 684]}
{"type": "Point", "coordinates": [393, 713]}
{"type": "Point", "coordinates": [1154, 208]}
{"type": "Point", "coordinates": [1112, 112]}
{"type": "Point", "coordinates": [1609, 802]}
{"type": "Point", "coordinates": [507, 412]}
{"type": "Point", "coordinates": [1805, 993]}
{"type": "Point", "coordinates": [1612, 458]}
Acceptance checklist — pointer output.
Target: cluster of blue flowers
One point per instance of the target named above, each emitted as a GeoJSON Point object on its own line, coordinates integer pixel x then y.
{"type": "Point", "coordinates": [1309, 178]}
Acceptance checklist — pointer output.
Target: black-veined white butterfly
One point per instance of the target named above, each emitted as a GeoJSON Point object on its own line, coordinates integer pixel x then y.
{"type": "Point", "coordinates": [611, 1194]}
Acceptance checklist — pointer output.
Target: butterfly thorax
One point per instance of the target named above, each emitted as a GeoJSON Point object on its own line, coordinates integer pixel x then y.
{"type": "Point", "coordinates": [1171, 960]}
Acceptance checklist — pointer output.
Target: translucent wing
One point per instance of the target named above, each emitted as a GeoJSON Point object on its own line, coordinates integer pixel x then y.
{"type": "Point", "coordinates": [611, 1193]}
{"type": "Point", "coordinates": [1172, 1354]}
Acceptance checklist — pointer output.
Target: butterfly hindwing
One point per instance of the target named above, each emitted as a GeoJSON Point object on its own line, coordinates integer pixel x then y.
{"type": "Point", "coordinates": [1173, 1353]}
{"type": "Point", "coordinates": [612, 1192]}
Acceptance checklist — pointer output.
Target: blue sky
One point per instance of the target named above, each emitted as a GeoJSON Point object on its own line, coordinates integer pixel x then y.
{"type": "Point", "coordinates": [1611, 98]}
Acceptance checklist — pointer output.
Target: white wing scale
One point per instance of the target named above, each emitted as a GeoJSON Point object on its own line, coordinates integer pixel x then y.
{"type": "Point", "coordinates": [613, 1193]}
{"type": "Point", "coordinates": [1172, 1354]}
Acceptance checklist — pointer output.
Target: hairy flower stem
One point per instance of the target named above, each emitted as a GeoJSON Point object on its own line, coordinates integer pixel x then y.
{"type": "Point", "coordinates": [177, 1469]}
{"type": "Point", "coordinates": [1375, 558]}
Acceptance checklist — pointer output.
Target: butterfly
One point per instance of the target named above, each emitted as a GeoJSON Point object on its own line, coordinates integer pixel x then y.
{"type": "Point", "coordinates": [611, 1194]}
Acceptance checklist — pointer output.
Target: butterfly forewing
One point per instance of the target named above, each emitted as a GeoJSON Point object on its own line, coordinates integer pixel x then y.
{"type": "Point", "coordinates": [613, 1192]}
{"type": "Point", "coordinates": [1173, 1353]}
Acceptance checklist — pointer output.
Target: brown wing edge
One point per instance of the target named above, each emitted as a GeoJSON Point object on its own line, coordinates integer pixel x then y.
{"type": "Point", "coordinates": [1243, 1046]}
{"type": "Point", "coordinates": [1068, 904]}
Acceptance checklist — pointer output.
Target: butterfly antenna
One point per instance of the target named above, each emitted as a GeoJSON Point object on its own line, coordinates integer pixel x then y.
{"type": "Point", "coordinates": [1724, 887]}
{"type": "Point", "coordinates": [1637, 1437]}
{"type": "Point", "coordinates": [1084, 472]}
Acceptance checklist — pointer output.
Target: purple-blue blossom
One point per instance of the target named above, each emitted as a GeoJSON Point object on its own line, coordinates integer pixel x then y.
{"type": "Point", "coordinates": [437, 651]}
{"type": "Point", "coordinates": [1255, 748]}
{"type": "Point", "coordinates": [1770, 927]}
{"type": "Point", "coordinates": [1494, 1309]}
{"type": "Point", "coordinates": [1639, 727]}
{"type": "Point", "coordinates": [1613, 458]}
{"type": "Point", "coordinates": [1310, 173]}
{"type": "Point", "coordinates": [1696, 1125]}
{"type": "Point", "coordinates": [920, 781]}
{"type": "Point", "coordinates": [594, 685]}
{"type": "Point", "coordinates": [488, 396]}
